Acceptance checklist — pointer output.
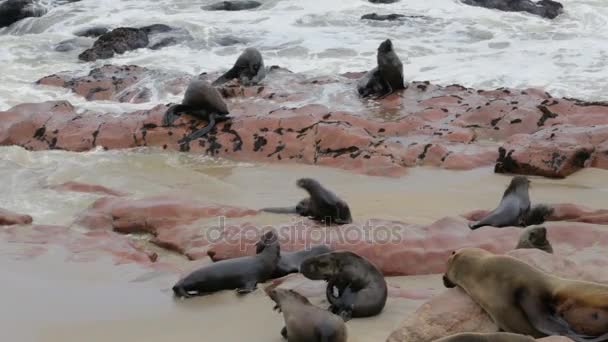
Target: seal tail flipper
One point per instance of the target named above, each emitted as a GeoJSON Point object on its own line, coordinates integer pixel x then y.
{"type": "Point", "coordinates": [475, 225]}
{"type": "Point", "coordinates": [199, 133]}
{"type": "Point", "coordinates": [247, 288]}
{"type": "Point", "coordinates": [180, 292]}
{"type": "Point", "coordinates": [173, 113]}
{"type": "Point", "coordinates": [286, 210]}
{"type": "Point", "coordinates": [227, 76]}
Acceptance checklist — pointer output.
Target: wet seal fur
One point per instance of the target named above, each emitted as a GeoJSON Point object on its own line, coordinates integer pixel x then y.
{"type": "Point", "coordinates": [290, 262]}
{"type": "Point", "coordinates": [513, 209]}
{"type": "Point", "coordinates": [535, 237]}
{"type": "Point", "coordinates": [202, 101]}
{"type": "Point", "coordinates": [487, 337]}
{"type": "Point", "coordinates": [525, 300]}
{"type": "Point", "coordinates": [387, 77]}
{"type": "Point", "coordinates": [305, 322]}
{"type": "Point", "coordinates": [322, 205]}
{"type": "Point", "coordinates": [241, 274]}
{"type": "Point", "coordinates": [361, 287]}
{"type": "Point", "coordinates": [248, 69]}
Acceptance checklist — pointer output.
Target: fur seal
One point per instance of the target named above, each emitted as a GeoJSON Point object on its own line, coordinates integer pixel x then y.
{"type": "Point", "coordinates": [534, 237]}
{"type": "Point", "coordinates": [305, 322]}
{"type": "Point", "coordinates": [513, 209]}
{"type": "Point", "coordinates": [361, 287]}
{"type": "Point", "coordinates": [202, 101]}
{"type": "Point", "coordinates": [241, 274]}
{"type": "Point", "coordinates": [248, 69]}
{"type": "Point", "coordinates": [322, 205]}
{"type": "Point", "coordinates": [290, 262]}
{"type": "Point", "coordinates": [387, 77]}
{"type": "Point", "coordinates": [525, 300]}
{"type": "Point", "coordinates": [488, 337]}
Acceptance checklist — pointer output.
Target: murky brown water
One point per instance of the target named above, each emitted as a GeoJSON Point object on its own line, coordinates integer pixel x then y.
{"type": "Point", "coordinates": [48, 299]}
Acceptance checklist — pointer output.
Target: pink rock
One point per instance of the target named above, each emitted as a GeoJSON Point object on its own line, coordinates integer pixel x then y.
{"type": "Point", "coordinates": [84, 187]}
{"type": "Point", "coordinates": [9, 218]}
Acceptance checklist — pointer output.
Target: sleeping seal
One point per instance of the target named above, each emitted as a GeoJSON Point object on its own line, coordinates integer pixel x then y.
{"type": "Point", "coordinates": [513, 209]}
{"type": "Point", "coordinates": [525, 300]}
{"type": "Point", "coordinates": [248, 69]}
{"type": "Point", "coordinates": [242, 274]}
{"type": "Point", "coordinates": [305, 322]}
{"type": "Point", "coordinates": [202, 101]}
{"type": "Point", "coordinates": [361, 287]}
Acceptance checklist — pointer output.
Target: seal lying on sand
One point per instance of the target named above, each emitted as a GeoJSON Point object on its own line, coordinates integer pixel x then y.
{"type": "Point", "coordinates": [535, 237]}
{"type": "Point", "coordinates": [361, 287]}
{"type": "Point", "coordinates": [248, 69]}
{"type": "Point", "coordinates": [242, 274]}
{"type": "Point", "coordinates": [290, 262]}
{"type": "Point", "coordinates": [488, 337]}
{"type": "Point", "coordinates": [513, 209]}
{"type": "Point", "coordinates": [202, 101]}
{"type": "Point", "coordinates": [525, 300]}
{"type": "Point", "coordinates": [322, 205]}
{"type": "Point", "coordinates": [387, 77]}
{"type": "Point", "coordinates": [304, 321]}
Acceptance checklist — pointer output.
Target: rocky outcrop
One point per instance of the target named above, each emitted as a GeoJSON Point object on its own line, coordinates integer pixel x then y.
{"type": "Point", "coordinates": [236, 5]}
{"type": "Point", "coordinates": [454, 311]}
{"type": "Point", "coordinates": [9, 218]}
{"type": "Point", "coordinates": [544, 8]}
{"type": "Point", "coordinates": [117, 41]}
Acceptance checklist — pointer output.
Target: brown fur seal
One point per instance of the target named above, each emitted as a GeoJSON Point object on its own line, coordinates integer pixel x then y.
{"type": "Point", "coordinates": [242, 274]}
{"type": "Point", "coordinates": [305, 322]}
{"type": "Point", "coordinates": [322, 205]}
{"type": "Point", "coordinates": [534, 237]}
{"type": "Point", "coordinates": [248, 69]}
{"type": "Point", "coordinates": [488, 337]}
{"type": "Point", "coordinates": [387, 77]}
{"type": "Point", "coordinates": [202, 101]}
{"type": "Point", "coordinates": [525, 300]}
{"type": "Point", "coordinates": [513, 209]}
{"type": "Point", "coordinates": [290, 262]}
{"type": "Point", "coordinates": [361, 287]}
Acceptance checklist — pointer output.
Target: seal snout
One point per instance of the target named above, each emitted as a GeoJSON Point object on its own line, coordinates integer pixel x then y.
{"type": "Point", "coordinates": [447, 282]}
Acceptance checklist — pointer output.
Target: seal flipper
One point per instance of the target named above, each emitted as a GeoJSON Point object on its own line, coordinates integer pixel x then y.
{"type": "Point", "coordinates": [249, 287]}
{"type": "Point", "coordinates": [173, 113]}
{"type": "Point", "coordinates": [227, 76]}
{"type": "Point", "coordinates": [286, 210]}
{"type": "Point", "coordinates": [284, 332]}
{"type": "Point", "coordinates": [199, 133]}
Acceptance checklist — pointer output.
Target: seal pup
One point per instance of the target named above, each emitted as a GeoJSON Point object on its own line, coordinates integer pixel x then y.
{"type": "Point", "coordinates": [487, 337]}
{"type": "Point", "coordinates": [361, 288]}
{"type": "Point", "coordinates": [202, 101]}
{"type": "Point", "coordinates": [305, 322]}
{"type": "Point", "coordinates": [513, 208]}
{"type": "Point", "coordinates": [387, 77]}
{"type": "Point", "coordinates": [241, 274]}
{"type": "Point", "coordinates": [525, 300]}
{"type": "Point", "coordinates": [290, 262]}
{"type": "Point", "coordinates": [534, 237]}
{"type": "Point", "coordinates": [321, 205]}
{"type": "Point", "coordinates": [248, 69]}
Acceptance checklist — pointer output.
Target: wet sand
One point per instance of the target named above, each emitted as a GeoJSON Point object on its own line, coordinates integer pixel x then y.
{"type": "Point", "coordinates": [48, 299]}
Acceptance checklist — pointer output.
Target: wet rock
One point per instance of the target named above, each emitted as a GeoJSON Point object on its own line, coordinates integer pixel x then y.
{"type": "Point", "coordinates": [12, 11]}
{"type": "Point", "coordinates": [229, 40]}
{"type": "Point", "coordinates": [237, 5]}
{"type": "Point", "coordinates": [383, 17]}
{"type": "Point", "coordinates": [383, 1]}
{"type": "Point", "coordinates": [92, 32]}
{"type": "Point", "coordinates": [454, 311]}
{"type": "Point", "coordinates": [9, 218]}
{"type": "Point", "coordinates": [72, 44]}
{"type": "Point", "coordinates": [89, 188]}
{"type": "Point", "coordinates": [160, 36]}
{"type": "Point", "coordinates": [117, 41]}
{"type": "Point", "coordinates": [544, 8]}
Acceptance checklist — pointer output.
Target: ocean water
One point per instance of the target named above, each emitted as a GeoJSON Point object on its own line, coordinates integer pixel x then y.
{"type": "Point", "coordinates": [444, 42]}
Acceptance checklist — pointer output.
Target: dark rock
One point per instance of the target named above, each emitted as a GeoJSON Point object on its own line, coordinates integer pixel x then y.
{"type": "Point", "coordinates": [383, 1]}
{"type": "Point", "coordinates": [117, 41]}
{"type": "Point", "coordinates": [72, 44]}
{"type": "Point", "coordinates": [12, 11]}
{"type": "Point", "coordinates": [544, 8]}
{"type": "Point", "coordinates": [93, 32]}
{"type": "Point", "coordinates": [237, 5]}
{"type": "Point", "coordinates": [160, 36]}
{"type": "Point", "coordinates": [229, 40]}
{"type": "Point", "coordinates": [383, 17]}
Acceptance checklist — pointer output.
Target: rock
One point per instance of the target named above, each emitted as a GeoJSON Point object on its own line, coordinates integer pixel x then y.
{"type": "Point", "coordinates": [383, 1]}
{"type": "Point", "coordinates": [544, 8]}
{"type": "Point", "coordinates": [383, 17]}
{"type": "Point", "coordinates": [160, 36]}
{"type": "Point", "coordinates": [229, 40]}
{"type": "Point", "coordinates": [92, 32]}
{"type": "Point", "coordinates": [72, 44]}
{"type": "Point", "coordinates": [89, 188]}
{"type": "Point", "coordinates": [12, 11]}
{"type": "Point", "coordinates": [454, 311]}
{"type": "Point", "coordinates": [9, 218]}
{"type": "Point", "coordinates": [237, 5]}
{"type": "Point", "coordinates": [117, 41]}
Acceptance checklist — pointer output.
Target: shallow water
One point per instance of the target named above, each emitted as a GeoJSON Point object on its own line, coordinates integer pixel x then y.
{"type": "Point", "coordinates": [51, 299]}
{"type": "Point", "coordinates": [452, 43]}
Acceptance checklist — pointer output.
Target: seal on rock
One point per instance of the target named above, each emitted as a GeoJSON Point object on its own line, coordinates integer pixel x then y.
{"type": "Point", "coordinates": [513, 208]}
{"type": "Point", "coordinates": [322, 205]}
{"type": "Point", "coordinates": [534, 237]}
{"type": "Point", "coordinates": [487, 337]}
{"type": "Point", "coordinates": [387, 77]}
{"type": "Point", "coordinates": [248, 69]}
{"type": "Point", "coordinates": [202, 101]}
{"type": "Point", "coordinates": [241, 274]}
{"type": "Point", "coordinates": [304, 321]}
{"type": "Point", "coordinates": [361, 288]}
{"type": "Point", "coordinates": [290, 262]}
{"type": "Point", "coordinates": [525, 300]}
